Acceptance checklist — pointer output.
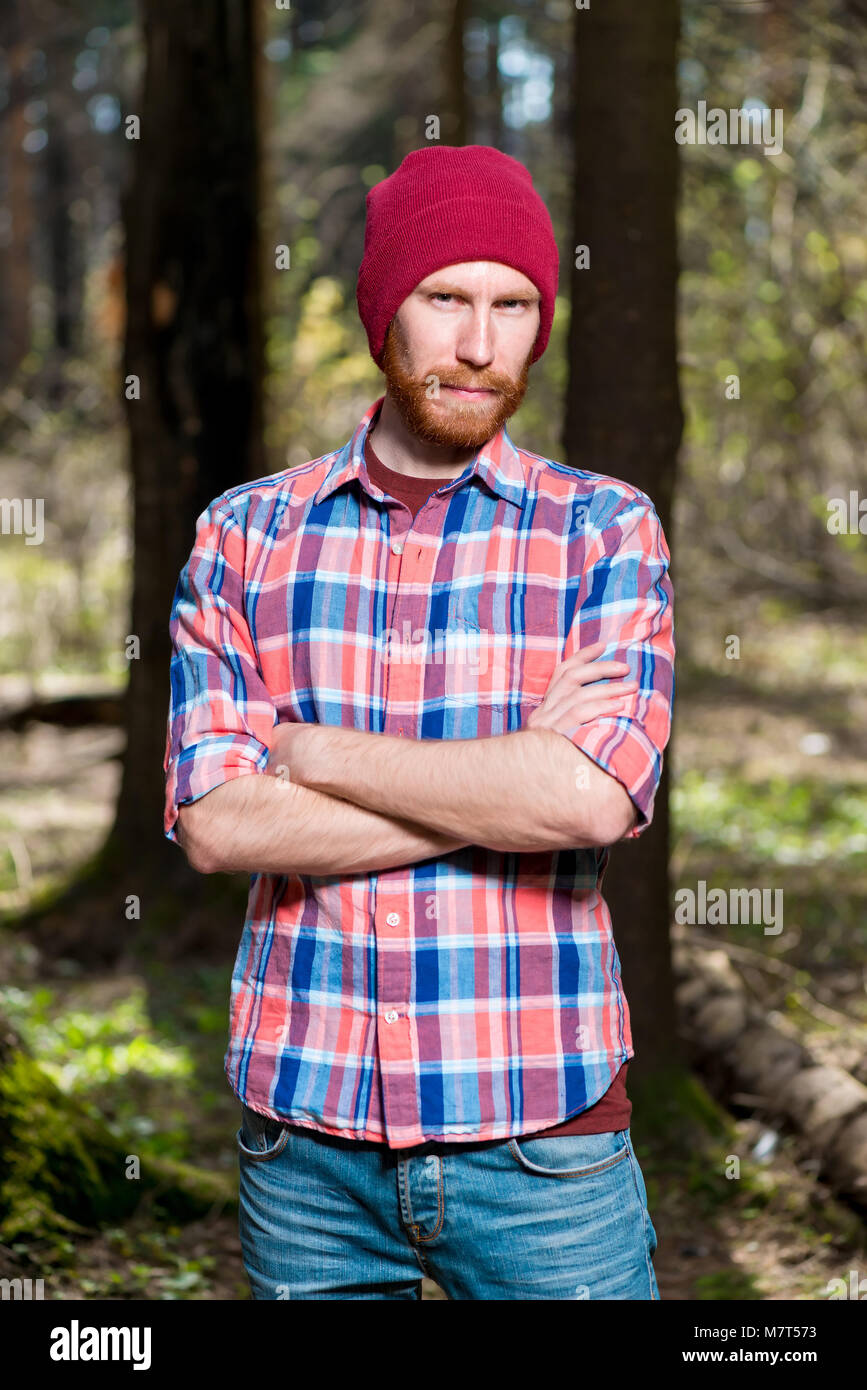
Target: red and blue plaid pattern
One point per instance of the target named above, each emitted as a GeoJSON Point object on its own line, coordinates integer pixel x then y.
{"type": "Point", "coordinates": [476, 995]}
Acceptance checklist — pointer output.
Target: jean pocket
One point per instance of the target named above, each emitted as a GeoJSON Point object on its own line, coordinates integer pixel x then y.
{"type": "Point", "coordinates": [570, 1155]}
{"type": "Point", "coordinates": [260, 1137]}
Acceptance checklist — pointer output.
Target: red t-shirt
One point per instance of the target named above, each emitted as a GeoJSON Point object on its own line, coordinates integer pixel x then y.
{"type": "Point", "coordinates": [612, 1111]}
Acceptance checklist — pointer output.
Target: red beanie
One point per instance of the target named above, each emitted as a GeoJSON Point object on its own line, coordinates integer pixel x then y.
{"type": "Point", "coordinates": [445, 204]}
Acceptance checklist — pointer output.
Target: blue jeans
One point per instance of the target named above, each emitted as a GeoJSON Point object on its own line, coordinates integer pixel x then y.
{"type": "Point", "coordinates": [323, 1217]}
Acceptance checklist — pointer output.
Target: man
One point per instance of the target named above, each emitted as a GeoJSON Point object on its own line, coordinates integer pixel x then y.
{"type": "Point", "coordinates": [419, 637]}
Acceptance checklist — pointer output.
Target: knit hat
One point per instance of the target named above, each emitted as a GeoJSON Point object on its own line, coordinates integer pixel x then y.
{"type": "Point", "coordinates": [445, 204]}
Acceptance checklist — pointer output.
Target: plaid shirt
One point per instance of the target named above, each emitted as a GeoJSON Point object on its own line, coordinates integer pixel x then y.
{"type": "Point", "coordinates": [475, 995]}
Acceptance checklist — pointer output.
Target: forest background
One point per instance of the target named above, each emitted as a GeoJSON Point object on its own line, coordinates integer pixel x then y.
{"type": "Point", "coordinates": [182, 220]}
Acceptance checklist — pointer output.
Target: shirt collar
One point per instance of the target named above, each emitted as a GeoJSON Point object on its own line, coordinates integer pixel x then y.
{"type": "Point", "coordinates": [497, 464]}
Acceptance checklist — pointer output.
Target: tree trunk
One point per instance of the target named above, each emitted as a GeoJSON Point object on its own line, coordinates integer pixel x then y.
{"type": "Point", "coordinates": [193, 347]}
{"type": "Point", "coordinates": [15, 265]}
{"type": "Point", "coordinates": [494, 87]}
{"type": "Point", "coordinates": [66, 258]}
{"type": "Point", "coordinates": [623, 409]}
{"type": "Point", "coordinates": [456, 123]}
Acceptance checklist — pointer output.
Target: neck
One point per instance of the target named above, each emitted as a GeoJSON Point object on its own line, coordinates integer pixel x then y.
{"type": "Point", "coordinates": [403, 451]}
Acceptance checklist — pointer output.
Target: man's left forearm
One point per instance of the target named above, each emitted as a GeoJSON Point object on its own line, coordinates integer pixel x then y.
{"type": "Point", "coordinates": [526, 791]}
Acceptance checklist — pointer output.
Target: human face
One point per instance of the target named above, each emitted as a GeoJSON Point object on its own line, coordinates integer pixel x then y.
{"type": "Point", "coordinates": [457, 352]}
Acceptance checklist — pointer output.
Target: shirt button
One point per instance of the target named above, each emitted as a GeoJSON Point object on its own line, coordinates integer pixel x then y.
{"type": "Point", "coordinates": [397, 548]}
{"type": "Point", "coordinates": [393, 919]}
{"type": "Point", "coordinates": [391, 1016]}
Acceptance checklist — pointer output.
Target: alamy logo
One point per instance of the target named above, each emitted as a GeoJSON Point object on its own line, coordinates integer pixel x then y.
{"type": "Point", "coordinates": [23, 516]}
{"type": "Point", "coordinates": [718, 908]}
{"type": "Point", "coordinates": [22, 1288]}
{"type": "Point", "coordinates": [439, 647]}
{"type": "Point", "coordinates": [740, 125]}
{"type": "Point", "coordinates": [856, 1289]}
{"type": "Point", "coordinates": [847, 518]}
{"type": "Point", "coordinates": [75, 1343]}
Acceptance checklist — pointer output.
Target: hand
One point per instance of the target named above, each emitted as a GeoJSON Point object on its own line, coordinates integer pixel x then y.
{"type": "Point", "coordinates": [293, 749]}
{"type": "Point", "coordinates": [573, 697]}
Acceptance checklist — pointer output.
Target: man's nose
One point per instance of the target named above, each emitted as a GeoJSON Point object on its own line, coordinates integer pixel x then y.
{"type": "Point", "coordinates": [475, 343]}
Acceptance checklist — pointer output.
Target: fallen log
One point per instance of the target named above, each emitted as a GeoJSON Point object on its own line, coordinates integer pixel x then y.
{"type": "Point", "coordinates": [745, 1054]}
{"type": "Point", "coordinates": [68, 711]}
{"type": "Point", "coordinates": [63, 1172]}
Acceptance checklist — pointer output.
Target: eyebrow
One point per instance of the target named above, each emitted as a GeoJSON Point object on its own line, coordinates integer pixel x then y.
{"type": "Point", "coordinates": [446, 287]}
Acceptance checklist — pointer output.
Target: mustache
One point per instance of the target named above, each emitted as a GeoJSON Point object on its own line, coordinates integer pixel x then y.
{"type": "Point", "coordinates": [497, 384]}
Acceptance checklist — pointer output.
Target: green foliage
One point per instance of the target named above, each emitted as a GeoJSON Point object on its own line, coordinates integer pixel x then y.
{"type": "Point", "coordinates": [775, 300]}
{"type": "Point", "coordinates": [63, 1171]}
{"type": "Point", "coordinates": [727, 1285]}
{"type": "Point", "coordinates": [66, 599]}
{"type": "Point", "coordinates": [103, 1084]}
{"type": "Point", "coordinates": [781, 820]}
{"type": "Point", "coordinates": [671, 1101]}
{"type": "Point", "coordinates": [82, 1048]}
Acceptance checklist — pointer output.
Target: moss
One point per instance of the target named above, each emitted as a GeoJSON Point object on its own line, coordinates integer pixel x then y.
{"type": "Point", "coordinates": [183, 1193]}
{"type": "Point", "coordinates": [671, 1106]}
{"type": "Point", "coordinates": [61, 1168]}
{"type": "Point", "coordinates": [63, 1171]}
{"type": "Point", "coordinates": [681, 1135]}
{"type": "Point", "coordinates": [726, 1285]}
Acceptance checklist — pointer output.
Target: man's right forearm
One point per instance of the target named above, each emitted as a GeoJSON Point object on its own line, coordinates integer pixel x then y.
{"type": "Point", "coordinates": [263, 824]}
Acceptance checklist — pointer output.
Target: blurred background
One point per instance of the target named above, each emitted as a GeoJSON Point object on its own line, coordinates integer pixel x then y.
{"type": "Point", "coordinates": [183, 200]}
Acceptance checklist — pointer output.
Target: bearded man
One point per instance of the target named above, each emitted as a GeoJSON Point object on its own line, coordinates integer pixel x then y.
{"type": "Point", "coordinates": [429, 1037]}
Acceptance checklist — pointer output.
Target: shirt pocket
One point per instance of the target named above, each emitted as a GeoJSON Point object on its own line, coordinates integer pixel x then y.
{"type": "Point", "coordinates": [511, 666]}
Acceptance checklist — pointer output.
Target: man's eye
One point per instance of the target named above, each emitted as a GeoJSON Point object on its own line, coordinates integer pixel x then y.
{"type": "Point", "coordinates": [446, 295]}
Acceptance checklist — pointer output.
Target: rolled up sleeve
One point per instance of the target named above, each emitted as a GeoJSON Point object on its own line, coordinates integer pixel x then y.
{"type": "Point", "coordinates": [626, 601]}
{"type": "Point", "coordinates": [220, 712]}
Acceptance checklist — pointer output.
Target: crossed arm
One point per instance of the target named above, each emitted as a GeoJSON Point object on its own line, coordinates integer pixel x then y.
{"type": "Point", "coordinates": [351, 802]}
{"type": "Point", "coordinates": [343, 801]}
